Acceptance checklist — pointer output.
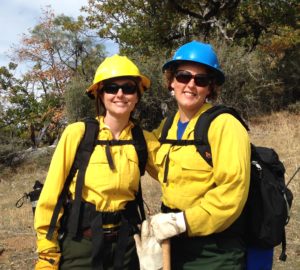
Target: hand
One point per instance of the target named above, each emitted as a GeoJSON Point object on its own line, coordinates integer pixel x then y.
{"type": "Point", "coordinates": [168, 225]}
{"type": "Point", "coordinates": [148, 249]}
{"type": "Point", "coordinates": [48, 261]}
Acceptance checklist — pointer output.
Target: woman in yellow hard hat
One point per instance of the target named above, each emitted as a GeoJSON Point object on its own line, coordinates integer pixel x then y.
{"type": "Point", "coordinates": [94, 230]}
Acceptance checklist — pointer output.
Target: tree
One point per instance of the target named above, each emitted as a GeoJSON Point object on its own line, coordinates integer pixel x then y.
{"type": "Point", "coordinates": [253, 38]}
{"type": "Point", "coordinates": [58, 48]}
{"type": "Point", "coordinates": [147, 26]}
{"type": "Point", "coordinates": [78, 105]}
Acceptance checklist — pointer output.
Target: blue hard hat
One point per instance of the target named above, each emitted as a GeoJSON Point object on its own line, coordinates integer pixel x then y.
{"type": "Point", "coordinates": [201, 53]}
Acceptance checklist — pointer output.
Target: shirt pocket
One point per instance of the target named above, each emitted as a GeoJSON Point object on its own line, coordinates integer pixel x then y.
{"type": "Point", "coordinates": [130, 169]}
{"type": "Point", "coordinates": [191, 160]}
{"type": "Point", "coordinates": [98, 171]}
{"type": "Point", "coordinates": [194, 175]}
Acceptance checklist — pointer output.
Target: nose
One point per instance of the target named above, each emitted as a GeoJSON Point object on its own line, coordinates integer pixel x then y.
{"type": "Point", "coordinates": [120, 92]}
{"type": "Point", "coordinates": [191, 83]}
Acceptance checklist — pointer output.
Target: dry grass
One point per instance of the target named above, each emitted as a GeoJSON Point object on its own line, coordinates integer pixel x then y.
{"type": "Point", "coordinates": [280, 131]}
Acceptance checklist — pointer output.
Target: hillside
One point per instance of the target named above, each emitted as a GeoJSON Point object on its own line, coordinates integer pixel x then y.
{"type": "Point", "coordinates": [280, 131]}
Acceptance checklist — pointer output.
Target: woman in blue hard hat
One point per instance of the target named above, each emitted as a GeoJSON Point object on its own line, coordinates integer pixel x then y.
{"type": "Point", "coordinates": [201, 204]}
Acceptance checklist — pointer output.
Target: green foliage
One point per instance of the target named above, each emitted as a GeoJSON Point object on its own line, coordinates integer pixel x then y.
{"type": "Point", "coordinates": [156, 102]}
{"type": "Point", "coordinates": [78, 105]}
{"type": "Point", "coordinates": [257, 43]}
{"type": "Point", "coordinates": [147, 26]}
{"type": "Point", "coordinates": [258, 19]}
{"type": "Point", "coordinates": [294, 108]}
{"type": "Point", "coordinates": [288, 70]}
{"type": "Point", "coordinates": [57, 49]}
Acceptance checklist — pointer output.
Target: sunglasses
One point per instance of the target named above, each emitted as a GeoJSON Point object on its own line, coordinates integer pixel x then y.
{"type": "Point", "coordinates": [199, 79]}
{"type": "Point", "coordinates": [127, 89]}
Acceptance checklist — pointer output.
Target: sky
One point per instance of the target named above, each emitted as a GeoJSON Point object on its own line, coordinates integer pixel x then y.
{"type": "Point", "coordinates": [18, 16]}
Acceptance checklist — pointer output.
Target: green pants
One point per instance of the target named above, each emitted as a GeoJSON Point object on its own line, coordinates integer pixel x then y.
{"type": "Point", "coordinates": [76, 255]}
{"type": "Point", "coordinates": [207, 253]}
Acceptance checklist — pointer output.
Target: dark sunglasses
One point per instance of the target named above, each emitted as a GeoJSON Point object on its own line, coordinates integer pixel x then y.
{"type": "Point", "coordinates": [113, 88]}
{"type": "Point", "coordinates": [199, 79]}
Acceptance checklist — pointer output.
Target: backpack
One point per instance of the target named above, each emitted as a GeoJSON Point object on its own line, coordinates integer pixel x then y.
{"type": "Point", "coordinates": [82, 157]}
{"type": "Point", "coordinates": [32, 195]}
{"type": "Point", "coordinates": [267, 209]}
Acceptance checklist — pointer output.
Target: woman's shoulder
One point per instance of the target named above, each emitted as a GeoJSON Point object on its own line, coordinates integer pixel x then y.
{"type": "Point", "coordinates": [74, 131]}
{"type": "Point", "coordinates": [75, 127]}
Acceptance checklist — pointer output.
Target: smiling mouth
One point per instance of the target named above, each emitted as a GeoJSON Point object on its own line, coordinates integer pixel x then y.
{"type": "Point", "coordinates": [190, 93]}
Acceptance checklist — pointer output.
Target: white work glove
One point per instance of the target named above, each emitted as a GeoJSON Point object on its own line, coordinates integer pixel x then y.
{"type": "Point", "coordinates": [168, 225]}
{"type": "Point", "coordinates": [148, 249]}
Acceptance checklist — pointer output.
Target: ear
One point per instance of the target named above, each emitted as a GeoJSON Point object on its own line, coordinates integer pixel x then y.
{"type": "Point", "coordinates": [171, 86]}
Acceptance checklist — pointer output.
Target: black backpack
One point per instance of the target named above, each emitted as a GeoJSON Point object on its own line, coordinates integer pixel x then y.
{"type": "Point", "coordinates": [83, 154]}
{"type": "Point", "coordinates": [267, 210]}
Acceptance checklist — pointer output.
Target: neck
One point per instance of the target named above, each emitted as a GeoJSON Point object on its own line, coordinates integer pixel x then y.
{"type": "Point", "coordinates": [116, 124]}
{"type": "Point", "coordinates": [186, 115]}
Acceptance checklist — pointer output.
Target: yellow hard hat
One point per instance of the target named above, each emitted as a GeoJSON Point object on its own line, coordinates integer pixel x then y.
{"type": "Point", "coordinates": [117, 66]}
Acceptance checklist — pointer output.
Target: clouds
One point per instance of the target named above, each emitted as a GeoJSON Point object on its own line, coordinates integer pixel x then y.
{"type": "Point", "coordinates": [18, 16]}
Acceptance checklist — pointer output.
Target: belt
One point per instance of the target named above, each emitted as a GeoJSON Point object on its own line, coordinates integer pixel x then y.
{"type": "Point", "coordinates": [108, 234]}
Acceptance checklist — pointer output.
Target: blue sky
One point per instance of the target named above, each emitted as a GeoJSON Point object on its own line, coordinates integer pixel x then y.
{"type": "Point", "coordinates": [18, 16]}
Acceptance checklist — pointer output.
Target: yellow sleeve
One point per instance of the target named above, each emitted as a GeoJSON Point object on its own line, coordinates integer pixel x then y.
{"type": "Point", "coordinates": [222, 205]}
{"type": "Point", "coordinates": [60, 166]}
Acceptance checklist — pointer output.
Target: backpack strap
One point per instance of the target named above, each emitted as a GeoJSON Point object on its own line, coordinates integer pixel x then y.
{"type": "Point", "coordinates": [85, 151]}
{"type": "Point", "coordinates": [140, 146]}
{"type": "Point", "coordinates": [142, 152]}
{"type": "Point", "coordinates": [83, 154]}
{"type": "Point", "coordinates": [200, 133]}
{"type": "Point", "coordinates": [202, 127]}
{"type": "Point", "coordinates": [139, 143]}
{"type": "Point", "coordinates": [163, 140]}
{"type": "Point", "coordinates": [167, 125]}
{"type": "Point", "coordinates": [82, 157]}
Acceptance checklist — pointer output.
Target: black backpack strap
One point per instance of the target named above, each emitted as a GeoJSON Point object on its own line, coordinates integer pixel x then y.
{"type": "Point", "coordinates": [80, 163]}
{"type": "Point", "coordinates": [163, 139]}
{"type": "Point", "coordinates": [142, 153]}
{"type": "Point", "coordinates": [139, 143]}
{"type": "Point", "coordinates": [85, 151]}
{"type": "Point", "coordinates": [140, 146]}
{"type": "Point", "coordinates": [203, 124]}
{"type": "Point", "coordinates": [108, 144]}
{"type": "Point", "coordinates": [167, 125]}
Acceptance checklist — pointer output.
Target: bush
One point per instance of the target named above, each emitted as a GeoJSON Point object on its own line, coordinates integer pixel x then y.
{"type": "Point", "coordinates": [294, 108]}
{"type": "Point", "coordinates": [77, 104]}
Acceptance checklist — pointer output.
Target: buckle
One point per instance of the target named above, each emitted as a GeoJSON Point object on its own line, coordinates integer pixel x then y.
{"type": "Point", "coordinates": [112, 230]}
{"type": "Point", "coordinates": [109, 234]}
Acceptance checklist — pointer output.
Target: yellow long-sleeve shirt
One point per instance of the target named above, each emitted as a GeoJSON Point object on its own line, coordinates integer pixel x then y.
{"type": "Point", "coordinates": [211, 197]}
{"type": "Point", "coordinates": [109, 190]}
